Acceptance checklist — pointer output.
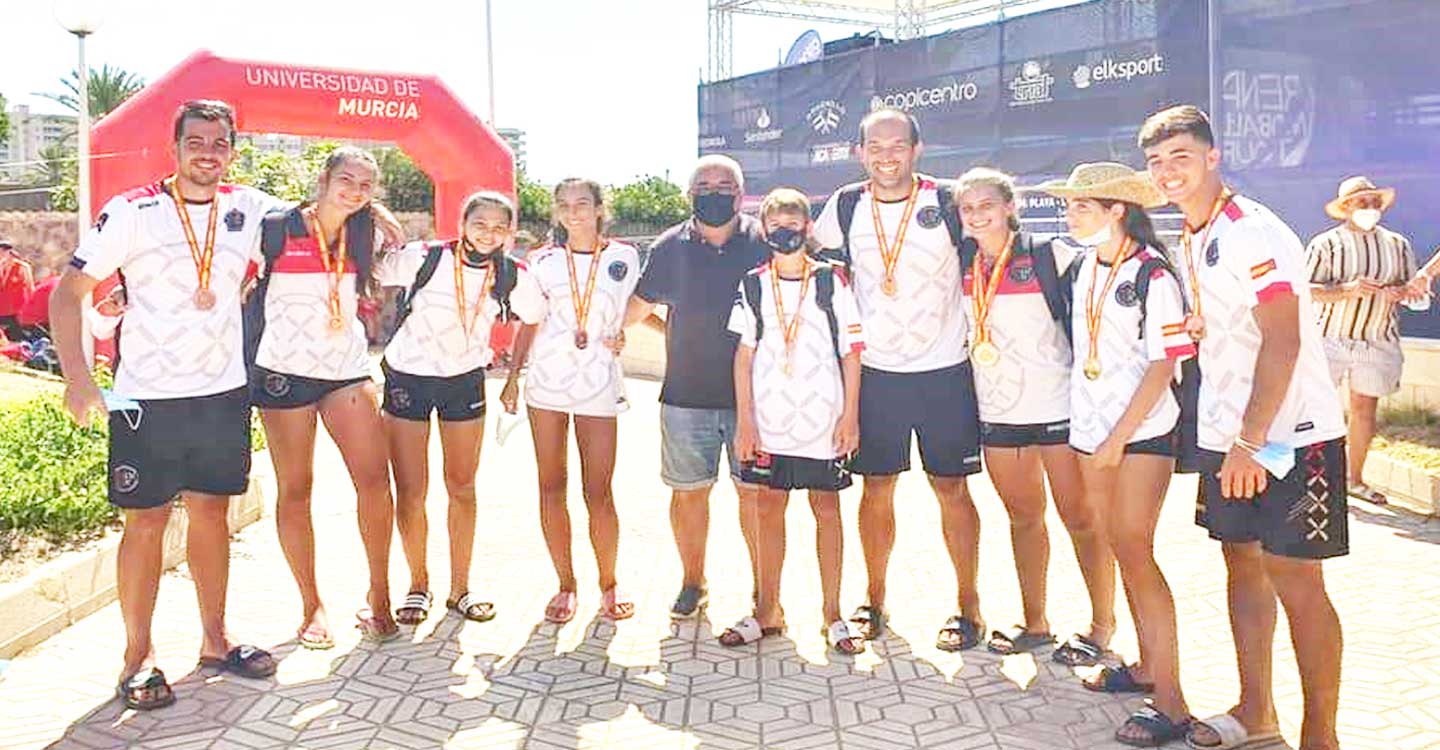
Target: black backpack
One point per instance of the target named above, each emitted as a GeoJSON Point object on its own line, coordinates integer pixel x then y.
{"type": "Point", "coordinates": [824, 298]}
{"type": "Point", "coordinates": [1057, 289]}
{"type": "Point", "coordinates": [848, 197]}
{"type": "Point", "coordinates": [506, 273]}
{"type": "Point", "coordinates": [276, 227]}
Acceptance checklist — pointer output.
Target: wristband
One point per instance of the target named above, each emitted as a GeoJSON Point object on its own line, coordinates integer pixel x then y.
{"type": "Point", "coordinates": [1246, 445]}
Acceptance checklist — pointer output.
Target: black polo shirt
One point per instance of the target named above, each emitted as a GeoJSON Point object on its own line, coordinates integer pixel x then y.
{"type": "Point", "coordinates": [698, 282]}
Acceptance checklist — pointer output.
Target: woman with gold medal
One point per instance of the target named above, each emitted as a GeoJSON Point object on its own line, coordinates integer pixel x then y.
{"type": "Point", "coordinates": [313, 365]}
{"type": "Point", "coordinates": [1019, 324]}
{"type": "Point", "coordinates": [1129, 338]}
{"type": "Point", "coordinates": [574, 373]}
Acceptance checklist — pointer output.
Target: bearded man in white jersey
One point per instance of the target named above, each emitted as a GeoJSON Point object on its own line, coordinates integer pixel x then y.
{"type": "Point", "coordinates": [901, 232]}
{"type": "Point", "coordinates": [1270, 432]}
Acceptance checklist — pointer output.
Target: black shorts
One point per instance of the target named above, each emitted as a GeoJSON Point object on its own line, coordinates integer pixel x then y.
{"type": "Point", "coordinates": [201, 444]}
{"type": "Point", "coordinates": [456, 398]}
{"type": "Point", "coordinates": [938, 406]}
{"type": "Point", "coordinates": [994, 435]}
{"type": "Point", "coordinates": [796, 473]}
{"type": "Point", "coordinates": [1305, 515]}
{"type": "Point", "coordinates": [279, 390]}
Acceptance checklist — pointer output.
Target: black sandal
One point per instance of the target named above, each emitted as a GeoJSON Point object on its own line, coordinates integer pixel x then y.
{"type": "Point", "coordinates": [968, 631]}
{"type": "Point", "coordinates": [244, 661]}
{"type": "Point", "coordinates": [869, 620]}
{"type": "Point", "coordinates": [1117, 680]}
{"type": "Point", "coordinates": [1160, 729]}
{"type": "Point", "coordinates": [1017, 640]}
{"type": "Point", "coordinates": [147, 682]}
{"type": "Point", "coordinates": [1079, 651]}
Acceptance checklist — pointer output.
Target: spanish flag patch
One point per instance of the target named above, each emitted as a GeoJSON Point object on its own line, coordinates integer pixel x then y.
{"type": "Point", "coordinates": [1256, 271]}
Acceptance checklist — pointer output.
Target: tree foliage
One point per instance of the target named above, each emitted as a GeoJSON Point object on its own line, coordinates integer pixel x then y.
{"type": "Point", "coordinates": [109, 88]}
{"type": "Point", "coordinates": [60, 169]}
{"type": "Point", "coordinates": [4, 121]}
{"type": "Point", "coordinates": [650, 200]}
{"type": "Point", "coordinates": [407, 187]}
{"type": "Point", "coordinates": [535, 201]}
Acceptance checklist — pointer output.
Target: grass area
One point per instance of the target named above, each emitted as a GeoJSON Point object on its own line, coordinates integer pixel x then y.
{"type": "Point", "coordinates": [1410, 434]}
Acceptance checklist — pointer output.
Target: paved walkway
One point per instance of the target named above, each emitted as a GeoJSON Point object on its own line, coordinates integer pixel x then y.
{"type": "Point", "coordinates": [516, 682]}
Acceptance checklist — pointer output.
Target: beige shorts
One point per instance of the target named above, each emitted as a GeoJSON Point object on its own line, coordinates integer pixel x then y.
{"type": "Point", "coordinates": [1370, 368]}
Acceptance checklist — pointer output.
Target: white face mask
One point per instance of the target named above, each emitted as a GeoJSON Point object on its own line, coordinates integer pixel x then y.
{"type": "Point", "coordinates": [1366, 218]}
{"type": "Point", "coordinates": [1094, 240]}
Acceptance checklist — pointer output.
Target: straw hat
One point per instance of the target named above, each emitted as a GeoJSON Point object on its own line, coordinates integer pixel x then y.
{"type": "Point", "coordinates": [1355, 187]}
{"type": "Point", "coordinates": [1106, 180]}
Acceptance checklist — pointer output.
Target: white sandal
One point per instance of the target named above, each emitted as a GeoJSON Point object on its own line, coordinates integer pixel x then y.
{"type": "Point", "coordinates": [843, 632]}
{"type": "Point", "coordinates": [1232, 734]}
{"type": "Point", "coordinates": [746, 632]}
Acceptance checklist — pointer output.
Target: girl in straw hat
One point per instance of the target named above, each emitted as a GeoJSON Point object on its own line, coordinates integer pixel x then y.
{"type": "Point", "coordinates": [1129, 335]}
{"type": "Point", "coordinates": [1019, 322]}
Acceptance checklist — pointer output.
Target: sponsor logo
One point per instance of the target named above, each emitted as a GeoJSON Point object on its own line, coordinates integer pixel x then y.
{"type": "Point", "coordinates": [149, 203]}
{"type": "Point", "coordinates": [234, 220]}
{"type": "Point", "coordinates": [100, 222]}
{"type": "Point", "coordinates": [1032, 85]}
{"type": "Point", "coordinates": [1125, 294]}
{"type": "Point", "coordinates": [921, 97]}
{"type": "Point", "coordinates": [618, 270]}
{"type": "Point", "coordinates": [277, 384]}
{"type": "Point", "coordinates": [125, 478]}
{"type": "Point", "coordinates": [1212, 252]}
{"type": "Point", "coordinates": [1269, 116]}
{"type": "Point", "coordinates": [763, 132]}
{"type": "Point", "coordinates": [712, 141]}
{"type": "Point", "coordinates": [1021, 272]}
{"type": "Point", "coordinates": [830, 153]}
{"type": "Point", "coordinates": [929, 217]}
{"type": "Point", "coordinates": [1109, 69]}
{"type": "Point", "coordinates": [825, 116]}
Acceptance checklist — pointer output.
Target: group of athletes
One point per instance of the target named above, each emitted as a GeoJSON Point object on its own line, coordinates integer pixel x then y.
{"type": "Point", "coordinates": [807, 349]}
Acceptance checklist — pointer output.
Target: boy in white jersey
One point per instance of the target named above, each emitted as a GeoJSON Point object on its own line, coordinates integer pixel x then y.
{"type": "Point", "coordinates": [453, 294]}
{"type": "Point", "coordinates": [902, 241]}
{"type": "Point", "coordinates": [1265, 393]}
{"type": "Point", "coordinates": [180, 425]}
{"type": "Point", "coordinates": [797, 393]}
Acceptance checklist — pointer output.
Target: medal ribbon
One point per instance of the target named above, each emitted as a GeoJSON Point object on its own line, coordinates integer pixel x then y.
{"type": "Point", "coordinates": [334, 267]}
{"type": "Point", "coordinates": [467, 324]}
{"type": "Point", "coordinates": [891, 256]}
{"type": "Point", "coordinates": [1187, 235]}
{"type": "Point", "coordinates": [1094, 307]}
{"type": "Point", "coordinates": [790, 330]}
{"type": "Point", "coordinates": [202, 258]}
{"type": "Point", "coordinates": [582, 304]}
{"type": "Point", "coordinates": [982, 294]}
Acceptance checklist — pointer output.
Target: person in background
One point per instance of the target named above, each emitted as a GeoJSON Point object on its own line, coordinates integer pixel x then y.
{"type": "Point", "coordinates": [17, 284]}
{"type": "Point", "coordinates": [1359, 273]}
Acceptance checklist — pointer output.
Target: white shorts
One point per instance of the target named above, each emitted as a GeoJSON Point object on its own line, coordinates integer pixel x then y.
{"type": "Point", "coordinates": [1371, 368]}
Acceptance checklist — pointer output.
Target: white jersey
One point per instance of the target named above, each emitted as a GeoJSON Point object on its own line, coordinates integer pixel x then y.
{"type": "Point", "coordinates": [564, 377]}
{"type": "Point", "coordinates": [1031, 382]}
{"type": "Point", "coordinates": [298, 339]}
{"type": "Point", "coordinates": [169, 348]}
{"type": "Point", "coordinates": [796, 413]}
{"type": "Point", "coordinates": [921, 328]}
{"type": "Point", "coordinates": [1125, 351]}
{"type": "Point", "coordinates": [433, 342]}
{"type": "Point", "coordinates": [1252, 256]}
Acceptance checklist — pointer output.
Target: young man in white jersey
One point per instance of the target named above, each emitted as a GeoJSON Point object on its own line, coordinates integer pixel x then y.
{"type": "Point", "coordinates": [179, 420]}
{"type": "Point", "coordinates": [1265, 396]}
{"type": "Point", "coordinates": [902, 239]}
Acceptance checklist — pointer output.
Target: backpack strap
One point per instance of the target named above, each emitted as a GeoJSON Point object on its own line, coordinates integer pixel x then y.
{"type": "Point", "coordinates": [360, 245]}
{"type": "Point", "coordinates": [825, 299]}
{"type": "Point", "coordinates": [1059, 296]}
{"type": "Point", "coordinates": [846, 199]}
{"type": "Point", "coordinates": [750, 292]}
{"type": "Point", "coordinates": [507, 273]}
{"type": "Point", "coordinates": [1148, 267]}
{"type": "Point", "coordinates": [945, 197]}
{"type": "Point", "coordinates": [405, 303]}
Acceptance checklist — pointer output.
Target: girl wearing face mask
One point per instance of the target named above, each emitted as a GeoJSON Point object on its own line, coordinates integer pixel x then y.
{"type": "Point", "coordinates": [453, 294]}
{"type": "Point", "coordinates": [797, 396]}
{"type": "Point", "coordinates": [1021, 351]}
{"type": "Point", "coordinates": [313, 364]}
{"type": "Point", "coordinates": [1129, 337]}
{"type": "Point", "coordinates": [586, 280]}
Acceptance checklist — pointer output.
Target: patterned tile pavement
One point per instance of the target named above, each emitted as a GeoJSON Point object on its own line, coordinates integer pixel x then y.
{"type": "Point", "coordinates": [516, 682]}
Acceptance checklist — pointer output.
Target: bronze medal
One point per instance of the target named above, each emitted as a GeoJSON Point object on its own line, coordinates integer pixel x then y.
{"type": "Point", "coordinates": [204, 299]}
{"type": "Point", "coordinates": [582, 339]}
{"type": "Point", "coordinates": [336, 324]}
{"type": "Point", "coordinates": [1195, 326]}
{"type": "Point", "coordinates": [889, 287]}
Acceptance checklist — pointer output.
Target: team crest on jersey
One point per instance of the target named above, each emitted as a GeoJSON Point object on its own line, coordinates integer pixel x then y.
{"type": "Point", "coordinates": [234, 220]}
{"type": "Point", "coordinates": [1021, 272]}
{"type": "Point", "coordinates": [929, 217]}
{"type": "Point", "coordinates": [1212, 252]}
{"type": "Point", "coordinates": [277, 384]}
{"type": "Point", "coordinates": [401, 397]}
{"type": "Point", "coordinates": [125, 478]}
{"type": "Point", "coordinates": [618, 269]}
{"type": "Point", "coordinates": [1125, 294]}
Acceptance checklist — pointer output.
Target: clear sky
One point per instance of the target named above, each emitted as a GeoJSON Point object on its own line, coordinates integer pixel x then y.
{"type": "Point", "coordinates": [603, 88]}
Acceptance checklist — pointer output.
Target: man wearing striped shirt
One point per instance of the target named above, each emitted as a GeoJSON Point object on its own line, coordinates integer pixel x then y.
{"type": "Point", "coordinates": [1358, 273]}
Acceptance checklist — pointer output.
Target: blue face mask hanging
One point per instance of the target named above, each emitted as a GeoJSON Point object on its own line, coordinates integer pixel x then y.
{"type": "Point", "coordinates": [116, 402]}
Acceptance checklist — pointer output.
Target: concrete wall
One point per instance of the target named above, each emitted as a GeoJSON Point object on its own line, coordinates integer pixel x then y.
{"type": "Point", "coordinates": [1420, 382]}
{"type": "Point", "coordinates": [45, 238]}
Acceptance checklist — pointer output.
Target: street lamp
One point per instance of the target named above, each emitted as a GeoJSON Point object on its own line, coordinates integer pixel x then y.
{"type": "Point", "coordinates": [82, 18]}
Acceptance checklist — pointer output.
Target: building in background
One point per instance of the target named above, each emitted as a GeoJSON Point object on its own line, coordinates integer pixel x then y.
{"type": "Point", "coordinates": [516, 138]}
{"type": "Point", "coordinates": [295, 145]}
{"type": "Point", "coordinates": [30, 134]}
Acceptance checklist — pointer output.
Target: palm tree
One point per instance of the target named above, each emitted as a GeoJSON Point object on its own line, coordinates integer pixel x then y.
{"type": "Point", "coordinates": [109, 88]}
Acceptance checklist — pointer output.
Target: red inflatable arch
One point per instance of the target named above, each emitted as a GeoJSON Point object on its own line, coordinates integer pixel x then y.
{"type": "Point", "coordinates": [134, 145]}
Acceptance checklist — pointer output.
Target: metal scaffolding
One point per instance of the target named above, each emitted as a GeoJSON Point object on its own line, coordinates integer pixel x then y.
{"type": "Point", "coordinates": [901, 19]}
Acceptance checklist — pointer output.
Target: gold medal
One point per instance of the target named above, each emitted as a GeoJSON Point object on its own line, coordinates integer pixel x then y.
{"type": "Point", "coordinates": [582, 339]}
{"type": "Point", "coordinates": [582, 304]}
{"type": "Point", "coordinates": [890, 255]}
{"type": "Point", "coordinates": [334, 270]}
{"type": "Point", "coordinates": [467, 323]}
{"type": "Point", "coordinates": [789, 329]}
{"type": "Point", "coordinates": [985, 354]}
{"type": "Point", "coordinates": [889, 287]}
{"type": "Point", "coordinates": [1092, 368]}
{"type": "Point", "coordinates": [787, 368]}
{"type": "Point", "coordinates": [1195, 326]}
{"type": "Point", "coordinates": [204, 299]}
{"type": "Point", "coordinates": [336, 323]}
{"type": "Point", "coordinates": [1187, 237]}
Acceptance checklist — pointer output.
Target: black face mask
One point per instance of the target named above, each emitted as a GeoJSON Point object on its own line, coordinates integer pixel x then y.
{"type": "Point", "coordinates": [786, 240]}
{"type": "Point", "coordinates": [714, 209]}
